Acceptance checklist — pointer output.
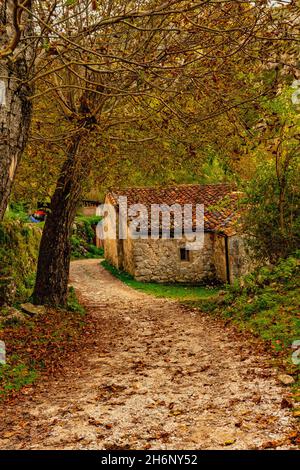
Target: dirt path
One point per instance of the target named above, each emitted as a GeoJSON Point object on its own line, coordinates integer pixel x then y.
{"type": "Point", "coordinates": [155, 376]}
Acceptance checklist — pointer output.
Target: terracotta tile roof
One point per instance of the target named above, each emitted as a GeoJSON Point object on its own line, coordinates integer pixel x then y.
{"type": "Point", "coordinates": [221, 218]}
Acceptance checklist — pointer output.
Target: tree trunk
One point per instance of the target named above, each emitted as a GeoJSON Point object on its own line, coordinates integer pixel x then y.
{"type": "Point", "coordinates": [15, 108]}
{"type": "Point", "coordinates": [15, 117]}
{"type": "Point", "coordinates": [51, 286]}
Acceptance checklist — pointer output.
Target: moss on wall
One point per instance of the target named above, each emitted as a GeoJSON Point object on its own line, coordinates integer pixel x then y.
{"type": "Point", "coordinates": [19, 245]}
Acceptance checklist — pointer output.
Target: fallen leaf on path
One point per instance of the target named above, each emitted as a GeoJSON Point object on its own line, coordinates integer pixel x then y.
{"type": "Point", "coordinates": [204, 367]}
{"type": "Point", "coordinates": [94, 422]}
{"type": "Point", "coordinates": [286, 403]}
{"type": "Point", "coordinates": [286, 379]}
{"type": "Point", "coordinates": [229, 442]}
{"type": "Point", "coordinates": [176, 412]}
{"type": "Point", "coordinates": [9, 434]}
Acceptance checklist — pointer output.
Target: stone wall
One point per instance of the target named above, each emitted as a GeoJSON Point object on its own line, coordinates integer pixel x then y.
{"type": "Point", "coordinates": [240, 262]}
{"type": "Point", "coordinates": [88, 211]}
{"type": "Point", "coordinates": [159, 261]}
{"type": "Point", "coordinates": [19, 248]}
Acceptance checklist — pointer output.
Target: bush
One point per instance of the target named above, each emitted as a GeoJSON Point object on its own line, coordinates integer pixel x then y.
{"type": "Point", "coordinates": [17, 211]}
{"type": "Point", "coordinates": [268, 239]}
{"type": "Point", "coordinates": [82, 240]}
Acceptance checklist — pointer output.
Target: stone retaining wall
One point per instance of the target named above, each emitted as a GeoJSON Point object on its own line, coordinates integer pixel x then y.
{"type": "Point", "coordinates": [159, 260]}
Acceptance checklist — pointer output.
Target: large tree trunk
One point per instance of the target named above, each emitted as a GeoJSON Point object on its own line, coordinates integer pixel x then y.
{"type": "Point", "coordinates": [15, 117]}
{"type": "Point", "coordinates": [51, 286]}
{"type": "Point", "coordinates": [15, 108]}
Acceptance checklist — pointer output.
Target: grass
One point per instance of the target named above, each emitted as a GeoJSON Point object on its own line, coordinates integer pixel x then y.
{"type": "Point", "coordinates": [38, 345]}
{"type": "Point", "coordinates": [17, 211]}
{"type": "Point", "coordinates": [14, 378]}
{"type": "Point", "coordinates": [170, 291]}
{"type": "Point", "coordinates": [73, 304]}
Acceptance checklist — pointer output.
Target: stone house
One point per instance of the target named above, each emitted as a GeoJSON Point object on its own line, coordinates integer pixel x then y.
{"type": "Point", "coordinates": [88, 207]}
{"type": "Point", "coordinates": [221, 258]}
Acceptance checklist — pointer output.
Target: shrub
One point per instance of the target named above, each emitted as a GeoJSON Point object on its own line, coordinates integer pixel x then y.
{"type": "Point", "coordinates": [82, 240]}
{"type": "Point", "coordinates": [272, 212]}
{"type": "Point", "coordinates": [17, 211]}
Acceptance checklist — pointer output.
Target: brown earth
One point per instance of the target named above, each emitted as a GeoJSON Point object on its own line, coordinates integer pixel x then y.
{"type": "Point", "coordinates": [154, 375]}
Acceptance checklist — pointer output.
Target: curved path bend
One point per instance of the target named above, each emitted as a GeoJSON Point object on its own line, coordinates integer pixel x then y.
{"type": "Point", "coordinates": [154, 375]}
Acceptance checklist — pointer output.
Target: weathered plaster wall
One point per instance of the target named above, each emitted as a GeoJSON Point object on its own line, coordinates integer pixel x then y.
{"type": "Point", "coordinates": [128, 256]}
{"type": "Point", "coordinates": [219, 258]}
{"type": "Point", "coordinates": [111, 249]}
{"type": "Point", "coordinates": [111, 252]}
{"type": "Point", "coordinates": [120, 253]}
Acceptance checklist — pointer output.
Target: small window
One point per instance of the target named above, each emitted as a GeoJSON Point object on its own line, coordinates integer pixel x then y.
{"type": "Point", "coordinates": [184, 254]}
